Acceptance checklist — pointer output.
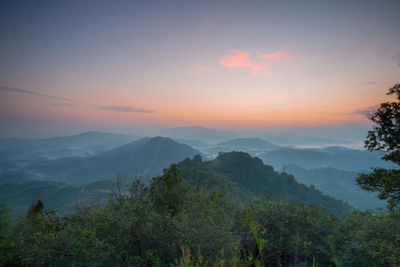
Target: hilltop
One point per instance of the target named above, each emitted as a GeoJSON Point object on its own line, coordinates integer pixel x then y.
{"type": "Point", "coordinates": [243, 177]}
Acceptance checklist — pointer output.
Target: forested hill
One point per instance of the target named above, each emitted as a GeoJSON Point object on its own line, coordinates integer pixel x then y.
{"type": "Point", "coordinates": [243, 177]}
{"type": "Point", "coordinates": [145, 157]}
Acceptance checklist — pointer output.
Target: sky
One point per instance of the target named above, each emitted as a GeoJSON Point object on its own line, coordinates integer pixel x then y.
{"type": "Point", "coordinates": [79, 65]}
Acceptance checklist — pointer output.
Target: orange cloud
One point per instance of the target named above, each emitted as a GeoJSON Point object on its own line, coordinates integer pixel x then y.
{"type": "Point", "coordinates": [277, 54]}
{"type": "Point", "coordinates": [240, 59]}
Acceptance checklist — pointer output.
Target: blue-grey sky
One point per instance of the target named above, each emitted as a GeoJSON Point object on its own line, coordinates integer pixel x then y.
{"type": "Point", "coordinates": [109, 64]}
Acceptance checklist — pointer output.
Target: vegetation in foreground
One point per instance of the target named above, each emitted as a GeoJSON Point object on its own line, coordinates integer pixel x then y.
{"type": "Point", "coordinates": [171, 223]}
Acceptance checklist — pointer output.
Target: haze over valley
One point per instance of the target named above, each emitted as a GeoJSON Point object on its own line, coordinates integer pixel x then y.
{"type": "Point", "coordinates": [84, 159]}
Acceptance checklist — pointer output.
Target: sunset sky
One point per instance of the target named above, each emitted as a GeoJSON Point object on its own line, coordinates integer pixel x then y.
{"type": "Point", "coordinates": [103, 64]}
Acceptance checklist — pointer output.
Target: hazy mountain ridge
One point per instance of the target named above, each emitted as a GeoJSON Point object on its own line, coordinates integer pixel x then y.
{"type": "Point", "coordinates": [255, 143]}
{"type": "Point", "coordinates": [85, 144]}
{"type": "Point", "coordinates": [203, 134]}
{"type": "Point", "coordinates": [337, 183]}
{"type": "Point", "coordinates": [340, 158]}
{"type": "Point", "coordinates": [144, 157]}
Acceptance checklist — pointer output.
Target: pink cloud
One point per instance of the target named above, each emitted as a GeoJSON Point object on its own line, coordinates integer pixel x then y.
{"type": "Point", "coordinates": [240, 59]}
{"type": "Point", "coordinates": [277, 54]}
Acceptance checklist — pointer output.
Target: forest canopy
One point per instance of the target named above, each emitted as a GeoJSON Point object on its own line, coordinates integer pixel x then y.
{"type": "Point", "coordinates": [172, 223]}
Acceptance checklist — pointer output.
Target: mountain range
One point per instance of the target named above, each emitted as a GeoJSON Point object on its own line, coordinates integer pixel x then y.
{"type": "Point", "coordinates": [85, 144]}
{"type": "Point", "coordinates": [145, 157]}
{"type": "Point", "coordinates": [336, 157]}
{"type": "Point", "coordinates": [89, 157]}
{"type": "Point", "coordinates": [337, 183]}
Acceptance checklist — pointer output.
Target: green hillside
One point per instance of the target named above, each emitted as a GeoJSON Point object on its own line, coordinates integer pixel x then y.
{"type": "Point", "coordinates": [19, 197]}
{"type": "Point", "coordinates": [243, 176]}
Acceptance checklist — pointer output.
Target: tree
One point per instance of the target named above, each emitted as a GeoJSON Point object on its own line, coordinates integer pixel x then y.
{"type": "Point", "coordinates": [385, 136]}
{"type": "Point", "coordinates": [168, 190]}
{"type": "Point", "coordinates": [6, 246]}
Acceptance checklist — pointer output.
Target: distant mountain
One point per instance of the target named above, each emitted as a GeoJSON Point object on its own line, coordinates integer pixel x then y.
{"type": "Point", "coordinates": [144, 157]}
{"type": "Point", "coordinates": [294, 137]}
{"type": "Point", "coordinates": [193, 143]}
{"type": "Point", "coordinates": [336, 157]}
{"type": "Point", "coordinates": [252, 143]}
{"type": "Point", "coordinates": [337, 183]}
{"type": "Point", "coordinates": [253, 146]}
{"type": "Point", "coordinates": [243, 176]}
{"type": "Point", "coordinates": [84, 144]}
{"type": "Point", "coordinates": [199, 133]}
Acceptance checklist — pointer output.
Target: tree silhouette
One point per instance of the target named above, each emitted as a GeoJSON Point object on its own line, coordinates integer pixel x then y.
{"type": "Point", "coordinates": [385, 136]}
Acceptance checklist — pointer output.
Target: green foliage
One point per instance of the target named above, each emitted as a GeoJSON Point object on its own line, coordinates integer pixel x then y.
{"type": "Point", "coordinates": [367, 239]}
{"type": "Point", "coordinates": [244, 177]}
{"type": "Point", "coordinates": [276, 234]}
{"type": "Point", "coordinates": [6, 238]}
{"type": "Point", "coordinates": [146, 227]}
{"type": "Point", "coordinates": [167, 191]}
{"type": "Point", "coordinates": [385, 136]}
{"type": "Point", "coordinates": [386, 182]}
{"type": "Point", "coordinates": [172, 223]}
{"type": "Point", "coordinates": [55, 195]}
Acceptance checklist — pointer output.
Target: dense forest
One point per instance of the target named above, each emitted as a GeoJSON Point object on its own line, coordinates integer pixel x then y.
{"type": "Point", "coordinates": [172, 223]}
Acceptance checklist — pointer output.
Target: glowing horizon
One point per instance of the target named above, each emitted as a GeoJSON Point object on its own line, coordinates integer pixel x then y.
{"type": "Point", "coordinates": [208, 64]}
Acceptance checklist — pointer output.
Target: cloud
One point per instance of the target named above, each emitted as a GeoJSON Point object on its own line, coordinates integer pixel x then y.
{"type": "Point", "coordinates": [29, 92]}
{"type": "Point", "coordinates": [361, 111]}
{"type": "Point", "coordinates": [125, 109]}
{"type": "Point", "coordinates": [239, 59]}
{"type": "Point", "coordinates": [277, 54]}
{"type": "Point", "coordinates": [62, 104]}
{"type": "Point", "coordinates": [371, 83]}
{"type": "Point", "coordinates": [364, 111]}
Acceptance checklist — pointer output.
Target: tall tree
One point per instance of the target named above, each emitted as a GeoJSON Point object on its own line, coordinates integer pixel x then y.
{"type": "Point", "coordinates": [385, 136]}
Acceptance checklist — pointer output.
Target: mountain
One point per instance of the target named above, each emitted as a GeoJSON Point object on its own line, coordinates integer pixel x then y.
{"type": "Point", "coordinates": [240, 175]}
{"type": "Point", "coordinates": [337, 183]}
{"type": "Point", "coordinates": [145, 157]}
{"type": "Point", "coordinates": [247, 143]}
{"type": "Point", "coordinates": [291, 139]}
{"type": "Point", "coordinates": [84, 144]}
{"type": "Point", "coordinates": [204, 134]}
{"type": "Point", "coordinates": [248, 176]}
{"type": "Point", "coordinates": [193, 143]}
{"type": "Point", "coordinates": [254, 146]}
{"type": "Point", "coordinates": [336, 157]}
